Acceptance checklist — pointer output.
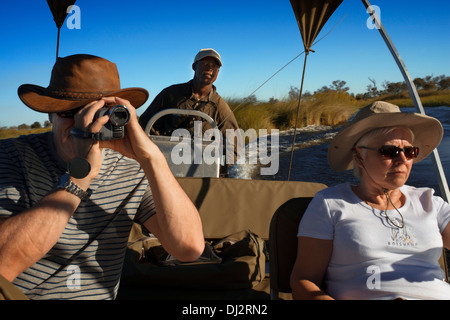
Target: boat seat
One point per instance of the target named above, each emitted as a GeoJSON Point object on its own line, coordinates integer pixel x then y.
{"type": "Point", "coordinates": [185, 155]}
{"type": "Point", "coordinates": [283, 244]}
{"type": "Point", "coordinates": [9, 291]}
{"type": "Point", "coordinates": [226, 206]}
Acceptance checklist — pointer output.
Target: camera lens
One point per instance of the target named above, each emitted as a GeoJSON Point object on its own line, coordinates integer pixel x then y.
{"type": "Point", "coordinates": [119, 115]}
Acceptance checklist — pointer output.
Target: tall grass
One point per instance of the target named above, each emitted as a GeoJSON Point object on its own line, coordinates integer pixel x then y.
{"type": "Point", "coordinates": [6, 133]}
{"type": "Point", "coordinates": [320, 109]}
{"type": "Point", "coordinates": [326, 108]}
{"type": "Point", "coordinates": [428, 98]}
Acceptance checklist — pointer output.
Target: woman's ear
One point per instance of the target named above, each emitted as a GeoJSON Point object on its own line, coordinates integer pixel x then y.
{"type": "Point", "coordinates": [358, 159]}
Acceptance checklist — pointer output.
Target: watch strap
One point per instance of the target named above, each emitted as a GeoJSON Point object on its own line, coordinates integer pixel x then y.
{"type": "Point", "coordinates": [68, 185]}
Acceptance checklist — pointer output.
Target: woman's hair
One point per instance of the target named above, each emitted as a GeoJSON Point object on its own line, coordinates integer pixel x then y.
{"type": "Point", "coordinates": [367, 137]}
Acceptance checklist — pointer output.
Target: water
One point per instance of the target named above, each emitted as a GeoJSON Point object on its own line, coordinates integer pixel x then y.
{"type": "Point", "coordinates": [310, 161]}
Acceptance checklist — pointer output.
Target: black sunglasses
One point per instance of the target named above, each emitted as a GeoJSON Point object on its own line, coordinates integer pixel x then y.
{"type": "Point", "coordinates": [394, 151]}
{"type": "Point", "coordinates": [69, 114]}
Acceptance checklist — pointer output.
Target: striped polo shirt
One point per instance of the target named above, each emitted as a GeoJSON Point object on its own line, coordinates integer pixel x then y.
{"type": "Point", "coordinates": [86, 262]}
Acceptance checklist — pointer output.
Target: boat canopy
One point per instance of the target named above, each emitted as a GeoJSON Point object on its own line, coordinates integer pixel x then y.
{"type": "Point", "coordinates": [59, 10]}
{"type": "Point", "coordinates": [311, 16]}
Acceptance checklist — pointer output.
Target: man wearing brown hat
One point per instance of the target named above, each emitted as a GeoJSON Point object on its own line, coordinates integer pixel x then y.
{"type": "Point", "coordinates": [196, 94]}
{"type": "Point", "coordinates": [68, 198]}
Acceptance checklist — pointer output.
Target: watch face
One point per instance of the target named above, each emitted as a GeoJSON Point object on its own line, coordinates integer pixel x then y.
{"type": "Point", "coordinates": [79, 168]}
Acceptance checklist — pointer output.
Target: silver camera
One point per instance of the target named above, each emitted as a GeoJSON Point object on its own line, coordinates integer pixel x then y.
{"type": "Point", "coordinates": [114, 129]}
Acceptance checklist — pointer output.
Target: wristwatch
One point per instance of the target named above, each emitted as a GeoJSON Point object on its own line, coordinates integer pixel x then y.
{"type": "Point", "coordinates": [69, 185]}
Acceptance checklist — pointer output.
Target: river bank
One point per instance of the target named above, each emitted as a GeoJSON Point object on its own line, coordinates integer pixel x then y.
{"type": "Point", "coordinates": [321, 109]}
{"type": "Point", "coordinates": [325, 108]}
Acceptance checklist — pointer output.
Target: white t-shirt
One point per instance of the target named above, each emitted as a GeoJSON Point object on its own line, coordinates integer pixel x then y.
{"type": "Point", "coordinates": [372, 259]}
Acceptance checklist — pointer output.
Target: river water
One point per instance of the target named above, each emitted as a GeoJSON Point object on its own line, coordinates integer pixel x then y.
{"type": "Point", "coordinates": [310, 157]}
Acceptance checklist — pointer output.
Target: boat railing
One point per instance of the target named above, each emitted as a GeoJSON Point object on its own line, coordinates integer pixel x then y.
{"type": "Point", "coordinates": [185, 153]}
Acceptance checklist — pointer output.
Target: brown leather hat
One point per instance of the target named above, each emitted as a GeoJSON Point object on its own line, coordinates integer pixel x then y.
{"type": "Point", "coordinates": [77, 80]}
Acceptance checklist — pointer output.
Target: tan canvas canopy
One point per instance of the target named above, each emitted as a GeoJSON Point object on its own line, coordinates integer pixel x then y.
{"type": "Point", "coordinates": [311, 17]}
{"type": "Point", "coordinates": [59, 12]}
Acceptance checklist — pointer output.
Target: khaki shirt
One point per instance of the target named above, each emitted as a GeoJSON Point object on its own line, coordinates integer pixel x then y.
{"type": "Point", "coordinates": [180, 96]}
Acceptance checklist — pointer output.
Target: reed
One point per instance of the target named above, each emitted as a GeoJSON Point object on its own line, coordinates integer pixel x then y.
{"type": "Point", "coordinates": [320, 109]}
{"type": "Point", "coordinates": [428, 99]}
{"type": "Point", "coordinates": [257, 116]}
{"type": "Point", "coordinates": [325, 108]}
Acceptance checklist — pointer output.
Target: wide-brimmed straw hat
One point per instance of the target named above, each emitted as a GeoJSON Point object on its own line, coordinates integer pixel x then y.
{"type": "Point", "coordinates": [77, 80]}
{"type": "Point", "coordinates": [427, 132]}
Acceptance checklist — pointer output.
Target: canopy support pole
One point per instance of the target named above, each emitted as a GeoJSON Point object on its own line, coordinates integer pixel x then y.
{"type": "Point", "coordinates": [419, 109]}
{"type": "Point", "coordinates": [443, 185]}
{"type": "Point", "coordinates": [298, 108]}
{"type": "Point", "coordinates": [57, 44]}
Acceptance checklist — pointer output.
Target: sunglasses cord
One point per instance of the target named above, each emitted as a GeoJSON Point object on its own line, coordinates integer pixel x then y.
{"type": "Point", "coordinates": [388, 199]}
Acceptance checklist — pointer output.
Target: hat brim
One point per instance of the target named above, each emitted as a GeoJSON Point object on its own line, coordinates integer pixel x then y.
{"type": "Point", "coordinates": [36, 98]}
{"type": "Point", "coordinates": [428, 133]}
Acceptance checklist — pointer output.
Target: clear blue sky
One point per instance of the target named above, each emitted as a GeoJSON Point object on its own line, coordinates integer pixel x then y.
{"type": "Point", "coordinates": [153, 44]}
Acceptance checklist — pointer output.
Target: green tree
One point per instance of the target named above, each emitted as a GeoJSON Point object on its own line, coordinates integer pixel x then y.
{"type": "Point", "coordinates": [372, 89]}
{"type": "Point", "coordinates": [339, 86]}
{"type": "Point", "coordinates": [23, 126]}
{"type": "Point", "coordinates": [36, 125]}
{"type": "Point", "coordinates": [294, 92]}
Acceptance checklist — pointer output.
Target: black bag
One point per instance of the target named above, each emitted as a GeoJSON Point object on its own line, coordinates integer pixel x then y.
{"type": "Point", "coordinates": [234, 262]}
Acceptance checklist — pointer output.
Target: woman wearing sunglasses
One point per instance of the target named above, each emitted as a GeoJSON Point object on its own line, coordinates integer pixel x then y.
{"type": "Point", "coordinates": [380, 239]}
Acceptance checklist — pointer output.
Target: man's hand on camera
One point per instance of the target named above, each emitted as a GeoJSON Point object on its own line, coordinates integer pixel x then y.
{"type": "Point", "coordinates": [136, 144]}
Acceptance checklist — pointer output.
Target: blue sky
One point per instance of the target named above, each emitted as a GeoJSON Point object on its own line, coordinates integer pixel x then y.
{"type": "Point", "coordinates": [153, 44]}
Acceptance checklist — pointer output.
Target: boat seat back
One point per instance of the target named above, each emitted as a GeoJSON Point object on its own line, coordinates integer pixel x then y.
{"type": "Point", "coordinates": [229, 205]}
{"type": "Point", "coordinates": [226, 206]}
{"type": "Point", "coordinates": [283, 243]}
{"type": "Point", "coordinates": [9, 291]}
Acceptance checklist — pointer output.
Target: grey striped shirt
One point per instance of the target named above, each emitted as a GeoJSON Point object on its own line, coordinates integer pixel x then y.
{"type": "Point", "coordinates": [87, 260]}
